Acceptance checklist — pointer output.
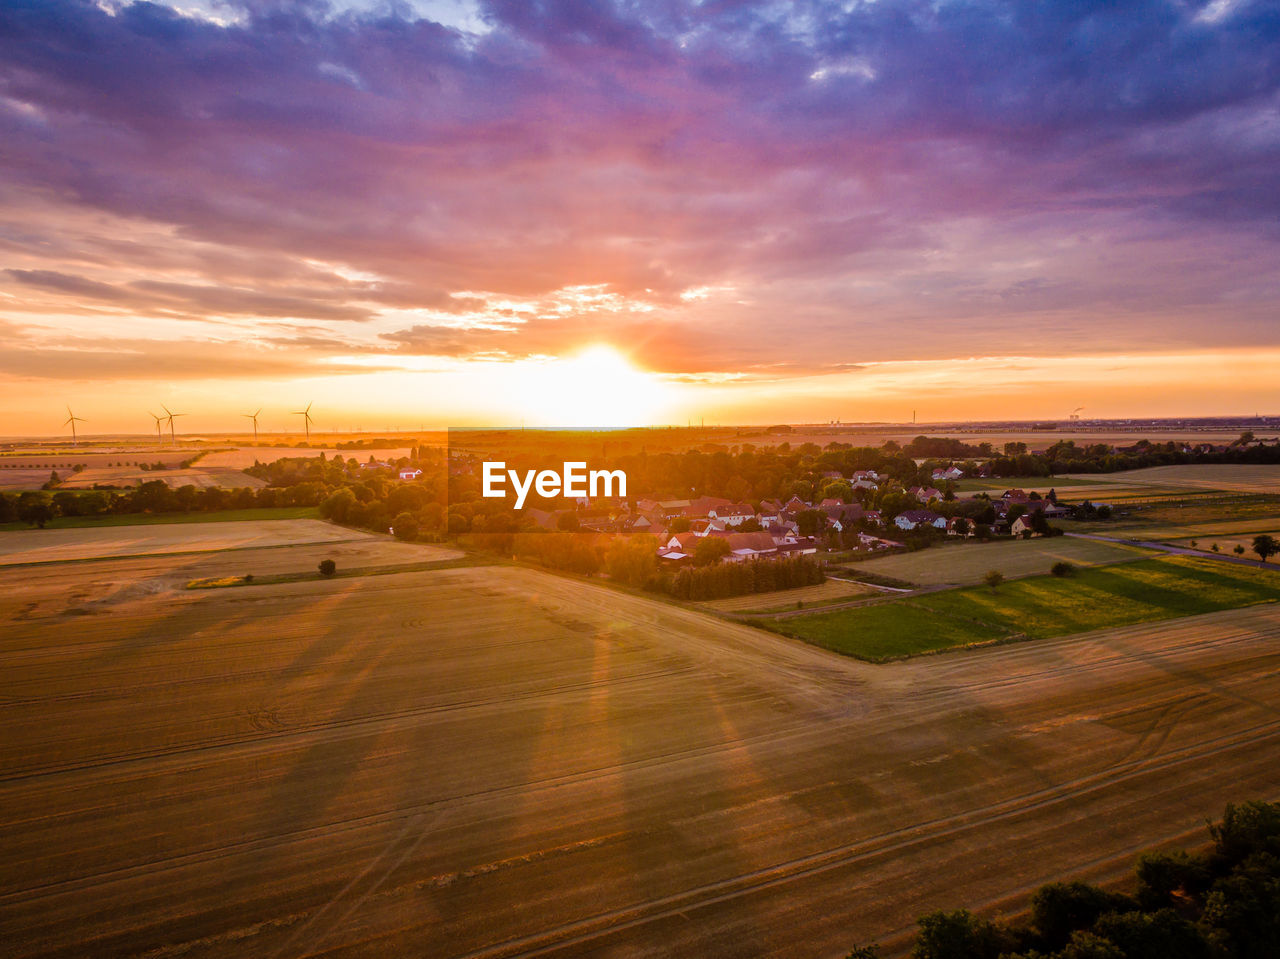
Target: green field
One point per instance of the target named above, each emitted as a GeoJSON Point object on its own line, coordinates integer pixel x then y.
{"type": "Point", "coordinates": [960, 564]}
{"type": "Point", "coordinates": [161, 519]}
{"type": "Point", "coordinates": [1037, 607]}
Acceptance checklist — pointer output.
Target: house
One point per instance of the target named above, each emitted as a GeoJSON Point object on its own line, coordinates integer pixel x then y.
{"type": "Point", "coordinates": [951, 526]}
{"type": "Point", "coordinates": [782, 531]}
{"type": "Point", "coordinates": [925, 493]}
{"type": "Point", "coordinates": [843, 516]}
{"type": "Point", "coordinates": [734, 514]}
{"type": "Point", "coordinates": [800, 547]}
{"type": "Point", "coordinates": [795, 505]}
{"type": "Point", "coordinates": [684, 542]}
{"type": "Point", "coordinates": [869, 475]}
{"type": "Point", "coordinates": [831, 501]}
{"type": "Point", "coordinates": [410, 474]}
{"type": "Point", "coordinates": [750, 545]}
{"type": "Point", "coordinates": [876, 542]}
{"type": "Point", "coordinates": [1048, 507]}
{"type": "Point", "coordinates": [950, 473]}
{"type": "Point", "coordinates": [916, 518]}
{"type": "Point", "coordinates": [1022, 526]}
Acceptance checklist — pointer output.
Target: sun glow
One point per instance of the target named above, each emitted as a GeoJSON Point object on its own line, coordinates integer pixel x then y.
{"type": "Point", "coordinates": [597, 387]}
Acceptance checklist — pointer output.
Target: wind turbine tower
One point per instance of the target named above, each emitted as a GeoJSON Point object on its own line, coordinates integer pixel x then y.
{"type": "Point", "coordinates": [254, 417]}
{"type": "Point", "coordinates": [173, 438]}
{"type": "Point", "coordinates": [306, 419]}
{"type": "Point", "coordinates": [73, 420]}
{"type": "Point", "coordinates": [159, 420]}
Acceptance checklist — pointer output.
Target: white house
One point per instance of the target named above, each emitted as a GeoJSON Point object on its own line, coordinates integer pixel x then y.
{"type": "Point", "coordinates": [915, 518]}
{"type": "Point", "coordinates": [734, 515]}
{"type": "Point", "coordinates": [410, 474]}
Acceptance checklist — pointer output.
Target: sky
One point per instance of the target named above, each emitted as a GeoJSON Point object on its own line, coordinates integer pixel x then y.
{"type": "Point", "coordinates": [463, 212]}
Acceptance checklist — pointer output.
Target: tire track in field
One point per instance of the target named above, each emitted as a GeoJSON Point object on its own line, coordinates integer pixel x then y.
{"type": "Point", "coordinates": [586, 930]}
{"type": "Point", "coordinates": [345, 728]}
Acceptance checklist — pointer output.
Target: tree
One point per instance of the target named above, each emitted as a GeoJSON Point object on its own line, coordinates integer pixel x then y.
{"type": "Point", "coordinates": [405, 527]}
{"type": "Point", "coordinates": [710, 549]}
{"type": "Point", "coordinates": [1265, 545]}
{"type": "Point", "coordinates": [568, 522]}
{"type": "Point", "coordinates": [949, 935]}
{"type": "Point", "coordinates": [328, 567]}
{"type": "Point", "coordinates": [1063, 568]}
{"type": "Point", "coordinates": [840, 489]}
{"type": "Point", "coordinates": [811, 522]}
{"type": "Point", "coordinates": [34, 510]}
{"type": "Point", "coordinates": [1238, 549]}
{"type": "Point", "coordinates": [961, 526]}
{"type": "Point", "coordinates": [993, 578]}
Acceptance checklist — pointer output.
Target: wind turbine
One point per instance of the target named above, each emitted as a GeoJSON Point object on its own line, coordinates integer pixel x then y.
{"type": "Point", "coordinates": [254, 417]}
{"type": "Point", "coordinates": [158, 419]}
{"type": "Point", "coordinates": [306, 419]}
{"type": "Point", "coordinates": [172, 436]}
{"type": "Point", "coordinates": [73, 420]}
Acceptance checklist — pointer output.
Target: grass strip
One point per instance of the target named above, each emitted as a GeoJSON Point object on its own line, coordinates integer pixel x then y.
{"type": "Point", "coordinates": [1036, 607]}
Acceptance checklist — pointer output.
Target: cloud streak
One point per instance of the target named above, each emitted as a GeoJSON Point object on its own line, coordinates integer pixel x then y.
{"type": "Point", "coordinates": [872, 181]}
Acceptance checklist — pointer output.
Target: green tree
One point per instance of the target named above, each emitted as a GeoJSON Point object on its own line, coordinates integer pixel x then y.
{"type": "Point", "coordinates": [405, 526]}
{"type": "Point", "coordinates": [993, 578]}
{"type": "Point", "coordinates": [811, 522]}
{"type": "Point", "coordinates": [1265, 545]}
{"type": "Point", "coordinates": [952, 935]}
{"type": "Point", "coordinates": [710, 550]}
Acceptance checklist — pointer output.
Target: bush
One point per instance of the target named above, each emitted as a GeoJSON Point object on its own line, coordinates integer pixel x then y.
{"type": "Point", "coordinates": [328, 567]}
{"type": "Point", "coordinates": [993, 578]}
{"type": "Point", "coordinates": [1062, 568]}
{"type": "Point", "coordinates": [405, 527]}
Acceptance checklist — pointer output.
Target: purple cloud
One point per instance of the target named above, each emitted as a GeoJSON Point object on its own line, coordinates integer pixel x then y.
{"type": "Point", "coordinates": [898, 172]}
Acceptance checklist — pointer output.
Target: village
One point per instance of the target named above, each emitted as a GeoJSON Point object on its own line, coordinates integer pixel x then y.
{"type": "Point", "coordinates": [837, 521]}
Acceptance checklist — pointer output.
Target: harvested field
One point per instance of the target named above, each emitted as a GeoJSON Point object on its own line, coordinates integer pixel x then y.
{"type": "Point", "coordinates": [1226, 543]}
{"type": "Point", "coordinates": [53, 545]}
{"type": "Point", "coordinates": [1168, 532]}
{"type": "Point", "coordinates": [833, 590]}
{"type": "Point", "coordinates": [199, 476]}
{"type": "Point", "coordinates": [1234, 477]}
{"type": "Point", "coordinates": [498, 762]}
{"type": "Point", "coordinates": [245, 456]}
{"type": "Point", "coordinates": [958, 564]}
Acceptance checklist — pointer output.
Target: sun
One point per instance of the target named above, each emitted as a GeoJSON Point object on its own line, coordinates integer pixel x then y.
{"type": "Point", "coordinates": [595, 387]}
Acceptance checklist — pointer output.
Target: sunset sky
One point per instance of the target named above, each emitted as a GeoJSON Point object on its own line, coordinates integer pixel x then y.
{"type": "Point", "coordinates": [458, 212]}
